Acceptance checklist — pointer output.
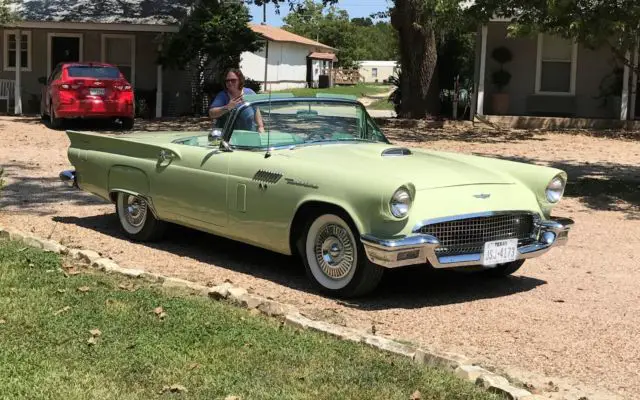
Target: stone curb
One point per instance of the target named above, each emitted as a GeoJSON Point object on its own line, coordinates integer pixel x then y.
{"type": "Point", "coordinates": [457, 364]}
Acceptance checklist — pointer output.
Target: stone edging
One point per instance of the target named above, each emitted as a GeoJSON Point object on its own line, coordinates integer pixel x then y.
{"type": "Point", "coordinates": [459, 365]}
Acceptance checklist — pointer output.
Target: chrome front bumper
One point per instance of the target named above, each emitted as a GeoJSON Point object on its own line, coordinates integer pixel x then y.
{"type": "Point", "coordinates": [69, 177]}
{"type": "Point", "coordinates": [420, 248]}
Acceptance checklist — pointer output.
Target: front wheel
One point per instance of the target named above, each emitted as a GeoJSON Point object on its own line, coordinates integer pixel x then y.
{"type": "Point", "coordinates": [137, 220]}
{"type": "Point", "coordinates": [334, 258]}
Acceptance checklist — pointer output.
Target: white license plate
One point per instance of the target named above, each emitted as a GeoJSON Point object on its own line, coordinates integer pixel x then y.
{"type": "Point", "coordinates": [500, 251]}
{"type": "Point", "coordinates": [97, 92]}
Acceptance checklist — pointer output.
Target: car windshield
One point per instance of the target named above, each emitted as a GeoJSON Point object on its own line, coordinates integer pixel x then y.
{"type": "Point", "coordinates": [80, 71]}
{"type": "Point", "coordinates": [302, 122]}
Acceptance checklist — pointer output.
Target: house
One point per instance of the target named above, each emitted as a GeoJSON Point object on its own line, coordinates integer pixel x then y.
{"type": "Point", "coordinates": [551, 77]}
{"type": "Point", "coordinates": [294, 61]}
{"type": "Point", "coordinates": [125, 33]}
{"type": "Point", "coordinates": [377, 71]}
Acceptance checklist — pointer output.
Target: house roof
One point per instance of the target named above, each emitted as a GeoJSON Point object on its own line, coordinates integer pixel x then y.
{"type": "Point", "coordinates": [280, 35]}
{"type": "Point", "coordinates": [323, 56]}
{"type": "Point", "coordinates": [143, 12]}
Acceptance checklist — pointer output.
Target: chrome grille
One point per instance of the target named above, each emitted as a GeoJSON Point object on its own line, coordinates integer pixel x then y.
{"type": "Point", "coordinates": [468, 236]}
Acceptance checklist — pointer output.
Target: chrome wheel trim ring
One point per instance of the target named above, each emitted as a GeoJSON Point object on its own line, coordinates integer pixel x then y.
{"type": "Point", "coordinates": [334, 251]}
{"type": "Point", "coordinates": [132, 212]}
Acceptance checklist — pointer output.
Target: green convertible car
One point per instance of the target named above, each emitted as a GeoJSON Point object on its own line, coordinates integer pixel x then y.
{"type": "Point", "coordinates": [322, 182]}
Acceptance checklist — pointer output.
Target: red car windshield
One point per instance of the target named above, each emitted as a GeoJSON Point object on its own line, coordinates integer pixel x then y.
{"type": "Point", "coordinates": [93, 72]}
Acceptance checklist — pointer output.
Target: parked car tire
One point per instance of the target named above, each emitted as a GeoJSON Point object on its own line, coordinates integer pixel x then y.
{"type": "Point", "coordinates": [127, 124]}
{"type": "Point", "coordinates": [137, 219]}
{"type": "Point", "coordinates": [504, 269]}
{"type": "Point", "coordinates": [334, 257]}
{"type": "Point", "coordinates": [54, 122]}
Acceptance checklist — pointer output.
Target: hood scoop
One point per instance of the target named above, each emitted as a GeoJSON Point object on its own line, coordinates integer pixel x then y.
{"type": "Point", "coordinates": [396, 152]}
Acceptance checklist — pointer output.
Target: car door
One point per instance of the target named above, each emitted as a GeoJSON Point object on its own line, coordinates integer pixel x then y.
{"type": "Point", "coordinates": [51, 90]}
{"type": "Point", "coordinates": [189, 186]}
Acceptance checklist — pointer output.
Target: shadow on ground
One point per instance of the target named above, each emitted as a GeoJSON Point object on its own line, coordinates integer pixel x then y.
{"type": "Point", "coordinates": [599, 186]}
{"type": "Point", "coordinates": [26, 194]}
{"type": "Point", "coordinates": [408, 288]}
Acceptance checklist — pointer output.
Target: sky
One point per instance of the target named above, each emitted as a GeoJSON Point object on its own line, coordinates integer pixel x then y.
{"type": "Point", "coordinates": [355, 8]}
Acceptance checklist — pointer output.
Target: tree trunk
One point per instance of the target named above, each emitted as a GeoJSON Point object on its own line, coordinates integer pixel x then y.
{"type": "Point", "coordinates": [418, 59]}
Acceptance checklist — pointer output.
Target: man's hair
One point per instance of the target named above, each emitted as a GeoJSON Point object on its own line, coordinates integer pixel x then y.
{"type": "Point", "coordinates": [238, 73]}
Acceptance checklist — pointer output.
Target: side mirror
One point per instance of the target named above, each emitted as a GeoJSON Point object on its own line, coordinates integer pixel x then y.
{"type": "Point", "coordinates": [42, 80]}
{"type": "Point", "coordinates": [215, 139]}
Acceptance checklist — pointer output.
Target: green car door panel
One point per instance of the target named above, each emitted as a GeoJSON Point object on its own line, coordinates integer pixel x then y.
{"type": "Point", "coordinates": [323, 182]}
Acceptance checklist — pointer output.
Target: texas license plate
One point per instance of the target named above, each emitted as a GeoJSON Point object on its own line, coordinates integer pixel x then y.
{"type": "Point", "coordinates": [97, 92]}
{"type": "Point", "coordinates": [500, 251]}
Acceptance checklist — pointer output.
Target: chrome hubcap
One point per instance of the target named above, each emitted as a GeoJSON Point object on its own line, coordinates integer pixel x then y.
{"type": "Point", "coordinates": [334, 251]}
{"type": "Point", "coordinates": [135, 211]}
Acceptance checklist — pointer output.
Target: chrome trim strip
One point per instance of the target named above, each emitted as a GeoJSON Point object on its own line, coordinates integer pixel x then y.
{"type": "Point", "coordinates": [385, 252]}
{"type": "Point", "coordinates": [419, 225]}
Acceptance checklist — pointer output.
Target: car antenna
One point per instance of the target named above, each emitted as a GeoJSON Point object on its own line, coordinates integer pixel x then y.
{"type": "Point", "coordinates": [268, 153]}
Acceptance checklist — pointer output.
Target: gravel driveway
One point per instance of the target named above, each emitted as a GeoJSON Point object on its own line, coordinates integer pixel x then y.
{"type": "Point", "coordinates": [571, 317]}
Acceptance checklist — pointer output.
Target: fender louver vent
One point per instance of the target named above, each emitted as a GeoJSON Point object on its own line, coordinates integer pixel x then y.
{"type": "Point", "coordinates": [267, 176]}
{"type": "Point", "coordinates": [396, 151]}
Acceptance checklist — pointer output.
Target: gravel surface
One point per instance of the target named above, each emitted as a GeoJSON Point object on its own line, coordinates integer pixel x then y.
{"type": "Point", "coordinates": [571, 317]}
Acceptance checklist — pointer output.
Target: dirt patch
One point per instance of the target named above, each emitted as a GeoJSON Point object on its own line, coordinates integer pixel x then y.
{"type": "Point", "coordinates": [573, 315]}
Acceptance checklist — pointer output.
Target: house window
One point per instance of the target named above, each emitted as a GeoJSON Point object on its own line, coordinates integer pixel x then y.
{"type": "Point", "coordinates": [11, 53]}
{"type": "Point", "coordinates": [556, 65]}
{"type": "Point", "coordinates": [119, 50]}
{"type": "Point", "coordinates": [374, 72]}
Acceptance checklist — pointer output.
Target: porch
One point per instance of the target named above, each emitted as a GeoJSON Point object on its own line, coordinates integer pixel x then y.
{"type": "Point", "coordinates": [31, 50]}
{"type": "Point", "coordinates": [552, 78]}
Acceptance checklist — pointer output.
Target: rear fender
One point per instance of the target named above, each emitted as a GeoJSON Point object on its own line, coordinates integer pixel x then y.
{"type": "Point", "coordinates": [133, 181]}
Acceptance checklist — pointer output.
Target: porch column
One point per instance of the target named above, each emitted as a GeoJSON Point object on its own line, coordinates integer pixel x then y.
{"type": "Point", "coordinates": [483, 67]}
{"type": "Point", "coordinates": [159, 80]}
{"type": "Point", "coordinates": [634, 84]}
{"type": "Point", "coordinates": [624, 106]}
{"type": "Point", "coordinates": [18, 85]}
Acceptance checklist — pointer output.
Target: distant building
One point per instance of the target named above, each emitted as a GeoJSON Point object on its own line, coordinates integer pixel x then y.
{"type": "Point", "coordinates": [377, 71]}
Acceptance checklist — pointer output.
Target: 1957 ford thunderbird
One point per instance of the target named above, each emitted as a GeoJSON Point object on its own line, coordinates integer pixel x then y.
{"type": "Point", "coordinates": [322, 182]}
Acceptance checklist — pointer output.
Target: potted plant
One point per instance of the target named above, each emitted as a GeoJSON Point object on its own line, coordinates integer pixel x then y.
{"type": "Point", "coordinates": [501, 79]}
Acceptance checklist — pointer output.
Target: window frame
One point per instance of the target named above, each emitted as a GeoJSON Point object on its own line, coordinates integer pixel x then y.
{"type": "Point", "coordinates": [103, 46]}
{"type": "Point", "coordinates": [5, 52]}
{"type": "Point", "coordinates": [573, 74]}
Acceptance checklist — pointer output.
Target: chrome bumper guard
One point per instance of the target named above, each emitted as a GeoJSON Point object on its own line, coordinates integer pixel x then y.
{"type": "Point", "coordinates": [420, 248]}
{"type": "Point", "coordinates": [69, 177]}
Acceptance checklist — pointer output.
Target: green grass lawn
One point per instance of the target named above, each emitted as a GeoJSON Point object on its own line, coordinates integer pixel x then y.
{"type": "Point", "coordinates": [96, 336]}
{"type": "Point", "coordinates": [356, 90]}
{"type": "Point", "coordinates": [382, 104]}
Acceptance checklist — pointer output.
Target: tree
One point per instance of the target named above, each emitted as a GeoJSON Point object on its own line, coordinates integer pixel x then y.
{"type": "Point", "coordinates": [212, 38]}
{"type": "Point", "coordinates": [593, 23]}
{"type": "Point", "coordinates": [331, 27]}
{"type": "Point", "coordinates": [6, 16]}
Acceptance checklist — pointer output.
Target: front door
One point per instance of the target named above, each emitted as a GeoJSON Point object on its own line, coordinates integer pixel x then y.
{"type": "Point", "coordinates": [64, 49]}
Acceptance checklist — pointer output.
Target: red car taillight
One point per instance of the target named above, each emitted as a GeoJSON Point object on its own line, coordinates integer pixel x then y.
{"type": "Point", "coordinates": [123, 87]}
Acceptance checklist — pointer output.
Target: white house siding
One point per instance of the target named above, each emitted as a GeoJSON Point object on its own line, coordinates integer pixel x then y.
{"type": "Point", "coordinates": [287, 65]}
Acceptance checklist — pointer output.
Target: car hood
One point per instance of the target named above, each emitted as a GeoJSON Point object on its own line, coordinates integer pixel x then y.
{"type": "Point", "coordinates": [425, 169]}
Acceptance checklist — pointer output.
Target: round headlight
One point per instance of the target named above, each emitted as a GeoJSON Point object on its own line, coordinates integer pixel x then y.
{"type": "Point", "coordinates": [400, 203]}
{"type": "Point", "coordinates": [555, 189]}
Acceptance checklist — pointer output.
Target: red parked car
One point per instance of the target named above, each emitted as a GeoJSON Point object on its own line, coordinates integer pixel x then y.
{"type": "Point", "coordinates": [87, 90]}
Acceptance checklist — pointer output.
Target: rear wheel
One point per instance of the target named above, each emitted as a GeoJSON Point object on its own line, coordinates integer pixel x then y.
{"type": "Point", "coordinates": [127, 124]}
{"type": "Point", "coordinates": [54, 122]}
{"type": "Point", "coordinates": [137, 220]}
{"type": "Point", "coordinates": [334, 258]}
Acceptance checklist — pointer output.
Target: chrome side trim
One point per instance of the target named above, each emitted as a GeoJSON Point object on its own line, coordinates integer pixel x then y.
{"type": "Point", "coordinates": [420, 248]}
{"type": "Point", "coordinates": [419, 225]}
{"type": "Point", "coordinates": [69, 178]}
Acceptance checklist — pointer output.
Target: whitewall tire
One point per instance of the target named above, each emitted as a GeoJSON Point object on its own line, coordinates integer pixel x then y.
{"type": "Point", "coordinates": [334, 257]}
{"type": "Point", "coordinates": [137, 219]}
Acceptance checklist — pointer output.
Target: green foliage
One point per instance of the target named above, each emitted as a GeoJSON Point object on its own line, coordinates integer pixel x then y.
{"type": "Point", "coordinates": [212, 38]}
{"type": "Point", "coordinates": [355, 40]}
{"type": "Point", "coordinates": [6, 16]}
{"type": "Point", "coordinates": [501, 77]}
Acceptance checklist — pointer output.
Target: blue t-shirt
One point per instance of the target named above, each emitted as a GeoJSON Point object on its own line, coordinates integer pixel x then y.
{"type": "Point", "coordinates": [246, 120]}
